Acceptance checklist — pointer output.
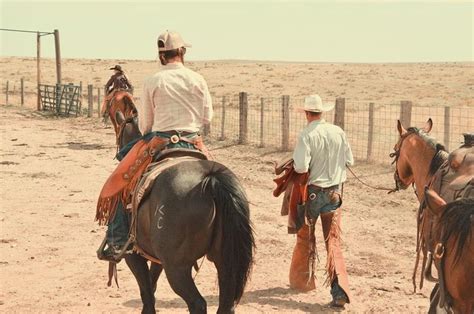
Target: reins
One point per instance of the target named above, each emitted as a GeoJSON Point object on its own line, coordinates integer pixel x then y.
{"type": "Point", "coordinates": [371, 186]}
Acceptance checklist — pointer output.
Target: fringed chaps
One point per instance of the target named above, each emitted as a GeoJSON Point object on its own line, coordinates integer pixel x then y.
{"type": "Point", "coordinates": [301, 272]}
{"type": "Point", "coordinates": [335, 265]}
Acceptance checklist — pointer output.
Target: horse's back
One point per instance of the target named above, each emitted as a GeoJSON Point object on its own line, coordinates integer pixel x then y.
{"type": "Point", "coordinates": [178, 215]}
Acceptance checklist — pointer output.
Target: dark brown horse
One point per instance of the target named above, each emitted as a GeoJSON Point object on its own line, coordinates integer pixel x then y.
{"type": "Point", "coordinates": [195, 209]}
{"type": "Point", "coordinates": [453, 235]}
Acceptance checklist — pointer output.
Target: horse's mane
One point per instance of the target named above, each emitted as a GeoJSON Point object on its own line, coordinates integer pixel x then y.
{"type": "Point", "coordinates": [441, 155]}
{"type": "Point", "coordinates": [456, 221]}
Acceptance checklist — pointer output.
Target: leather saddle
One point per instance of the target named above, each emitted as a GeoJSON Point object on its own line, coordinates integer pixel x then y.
{"type": "Point", "coordinates": [455, 179]}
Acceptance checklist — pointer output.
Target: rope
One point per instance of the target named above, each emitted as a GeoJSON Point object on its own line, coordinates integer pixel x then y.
{"type": "Point", "coordinates": [390, 190]}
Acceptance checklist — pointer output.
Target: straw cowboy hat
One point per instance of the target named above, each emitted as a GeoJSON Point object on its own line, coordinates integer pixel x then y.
{"type": "Point", "coordinates": [117, 67]}
{"type": "Point", "coordinates": [313, 103]}
{"type": "Point", "coordinates": [171, 41]}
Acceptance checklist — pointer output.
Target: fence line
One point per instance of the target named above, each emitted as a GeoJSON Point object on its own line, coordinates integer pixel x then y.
{"type": "Point", "coordinates": [274, 121]}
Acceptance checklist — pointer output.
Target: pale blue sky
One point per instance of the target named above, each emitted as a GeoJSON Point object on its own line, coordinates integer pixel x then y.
{"type": "Point", "coordinates": [265, 30]}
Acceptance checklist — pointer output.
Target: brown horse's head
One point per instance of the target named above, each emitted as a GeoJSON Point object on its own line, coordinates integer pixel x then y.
{"type": "Point", "coordinates": [405, 164]}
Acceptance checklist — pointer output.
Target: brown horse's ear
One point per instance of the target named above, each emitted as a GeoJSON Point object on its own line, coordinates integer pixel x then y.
{"type": "Point", "coordinates": [401, 129]}
{"type": "Point", "coordinates": [434, 201]}
{"type": "Point", "coordinates": [428, 126]}
{"type": "Point", "coordinates": [119, 117]}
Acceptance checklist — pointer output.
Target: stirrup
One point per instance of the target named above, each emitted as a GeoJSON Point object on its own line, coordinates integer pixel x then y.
{"type": "Point", "coordinates": [115, 257]}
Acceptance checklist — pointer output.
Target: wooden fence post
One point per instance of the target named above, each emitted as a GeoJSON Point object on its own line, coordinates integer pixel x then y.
{"type": "Point", "coordinates": [89, 100]}
{"type": "Point", "coordinates": [22, 91]}
{"type": "Point", "coordinates": [262, 108]}
{"type": "Point", "coordinates": [98, 102]}
{"type": "Point", "coordinates": [340, 112]}
{"type": "Point", "coordinates": [243, 115]}
{"type": "Point", "coordinates": [6, 94]}
{"type": "Point", "coordinates": [223, 119]}
{"type": "Point", "coordinates": [447, 126]}
{"type": "Point", "coordinates": [405, 113]}
{"type": "Point", "coordinates": [370, 140]}
{"type": "Point", "coordinates": [285, 122]}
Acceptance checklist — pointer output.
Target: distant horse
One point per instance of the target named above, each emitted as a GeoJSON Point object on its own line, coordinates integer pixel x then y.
{"type": "Point", "coordinates": [417, 158]}
{"type": "Point", "coordinates": [195, 208]}
{"type": "Point", "coordinates": [118, 101]}
{"type": "Point", "coordinates": [453, 235]}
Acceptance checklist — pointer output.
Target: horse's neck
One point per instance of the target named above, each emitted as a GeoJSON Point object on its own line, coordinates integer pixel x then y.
{"type": "Point", "coordinates": [420, 156]}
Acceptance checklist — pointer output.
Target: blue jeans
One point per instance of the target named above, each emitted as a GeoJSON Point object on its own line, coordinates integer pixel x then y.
{"type": "Point", "coordinates": [320, 201]}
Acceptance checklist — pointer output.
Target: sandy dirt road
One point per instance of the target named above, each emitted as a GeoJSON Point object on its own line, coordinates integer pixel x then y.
{"type": "Point", "coordinates": [52, 170]}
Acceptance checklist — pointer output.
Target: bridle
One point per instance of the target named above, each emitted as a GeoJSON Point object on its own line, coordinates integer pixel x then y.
{"type": "Point", "coordinates": [399, 185]}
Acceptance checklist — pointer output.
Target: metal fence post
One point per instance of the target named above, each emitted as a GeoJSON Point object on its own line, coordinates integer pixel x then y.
{"type": "Point", "coordinates": [90, 100]}
{"type": "Point", "coordinates": [22, 91]}
{"type": "Point", "coordinates": [243, 115]}
{"type": "Point", "coordinates": [340, 112]}
{"type": "Point", "coordinates": [447, 126]}
{"type": "Point", "coordinates": [262, 114]}
{"type": "Point", "coordinates": [370, 140]}
{"type": "Point", "coordinates": [285, 122]}
{"type": "Point", "coordinates": [223, 119]}
{"type": "Point", "coordinates": [405, 113]}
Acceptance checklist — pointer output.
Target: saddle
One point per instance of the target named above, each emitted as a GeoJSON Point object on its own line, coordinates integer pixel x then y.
{"type": "Point", "coordinates": [455, 178]}
{"type": "Point", "coordinates": [123, 181]}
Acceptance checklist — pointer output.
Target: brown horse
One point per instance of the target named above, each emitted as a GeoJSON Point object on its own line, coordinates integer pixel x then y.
{"type": "Point", "coordinates": [453, 237]}
{"type": "Point", "coordinates": [417, 157]}
{"type": "Point", "coordinates": [118, 101]}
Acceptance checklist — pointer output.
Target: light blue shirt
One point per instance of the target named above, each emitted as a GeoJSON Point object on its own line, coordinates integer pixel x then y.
{"type": "Point", "coordinates": [323, 150]}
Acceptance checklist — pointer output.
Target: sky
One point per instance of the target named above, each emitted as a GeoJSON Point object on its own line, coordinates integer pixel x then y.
{"type": "Point", "coordinates": [306, 31]}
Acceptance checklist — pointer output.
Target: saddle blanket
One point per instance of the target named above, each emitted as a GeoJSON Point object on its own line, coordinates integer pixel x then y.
{"type": "Point", "coordinates": [151, 173]}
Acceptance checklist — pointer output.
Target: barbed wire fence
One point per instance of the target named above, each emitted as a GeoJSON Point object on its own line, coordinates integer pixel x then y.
{"type": "Point", "coordinates": [275, 122]}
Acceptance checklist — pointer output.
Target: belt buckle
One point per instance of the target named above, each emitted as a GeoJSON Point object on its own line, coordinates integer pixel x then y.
{"type": "Point", "coordinates": [174, 139]}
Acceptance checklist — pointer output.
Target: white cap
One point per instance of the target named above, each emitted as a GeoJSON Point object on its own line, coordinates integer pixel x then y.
{"type": "Point", "coordinates": [313, 103]}
{"type": "Point", "coordinates": [171, 41]}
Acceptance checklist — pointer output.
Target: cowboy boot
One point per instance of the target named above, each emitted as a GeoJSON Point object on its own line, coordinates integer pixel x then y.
{"type": "Point", "coordinates": [336, 269]}
{"type": "Point", "coordinates": [301, 276]}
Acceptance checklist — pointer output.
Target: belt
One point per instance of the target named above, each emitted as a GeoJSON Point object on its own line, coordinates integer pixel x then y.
{"type": "Point", "coordinates": [329, 188]}
{"type": "Point", "coordinates": [180, 133]}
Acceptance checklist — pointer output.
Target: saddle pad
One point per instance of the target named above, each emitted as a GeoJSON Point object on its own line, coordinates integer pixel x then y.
{"type": "Point", "coordinates": [151, 173]}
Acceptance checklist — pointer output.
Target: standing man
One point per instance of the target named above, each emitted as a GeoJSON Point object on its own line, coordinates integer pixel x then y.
{"type": "Point", "coordinates": [322, 150]}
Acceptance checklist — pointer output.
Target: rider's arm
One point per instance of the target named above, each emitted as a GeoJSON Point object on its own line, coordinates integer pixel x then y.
{"type": "Point", "coordinates": [348, 151]}
{"type": "Point", "coordinates": [302, 154]}
{"type": "Point", "coordinates": [208, 111]}
{"type": "Point", "coordinates": [145, 111]}
{"type": "Point", "coordinates": [109, 83]}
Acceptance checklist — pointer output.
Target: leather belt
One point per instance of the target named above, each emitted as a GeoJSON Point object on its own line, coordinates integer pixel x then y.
{"type": "Point", "coordinates": [329, 188]}
{"type": "Point", "coordinates": [180, 133]}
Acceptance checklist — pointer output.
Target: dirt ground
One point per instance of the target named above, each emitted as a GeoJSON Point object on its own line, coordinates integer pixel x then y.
{"type": "Point", "coordinates": [52, 170]}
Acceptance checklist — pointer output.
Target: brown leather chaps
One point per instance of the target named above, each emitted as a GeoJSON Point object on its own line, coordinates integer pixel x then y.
{"type": "Point", "coordinates": [301, 272]}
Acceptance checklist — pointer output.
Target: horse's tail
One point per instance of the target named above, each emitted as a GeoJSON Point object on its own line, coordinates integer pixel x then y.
{"type": "Point", "coordinates": [237, 240]}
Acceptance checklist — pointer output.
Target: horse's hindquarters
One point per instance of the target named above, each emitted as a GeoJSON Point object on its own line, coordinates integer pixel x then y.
{"type": "Point", "coordinates": [175, 222]}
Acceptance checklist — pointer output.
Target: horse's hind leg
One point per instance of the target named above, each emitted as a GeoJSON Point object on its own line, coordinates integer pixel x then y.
{"type": "Point", "coordinates": [226, 292]}
{"type": "Point", "coordinates": [182, 283]}
{"type": "Point", "coordinates": [139, 267]}
{"type": "Point", "coordinates": [155, 272]}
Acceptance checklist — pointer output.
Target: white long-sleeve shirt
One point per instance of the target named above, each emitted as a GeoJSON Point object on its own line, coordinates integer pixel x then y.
{"type": "Point", "coordinates": [323, 150]}
{"type": "Point", "coordinates": [174, 98]}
